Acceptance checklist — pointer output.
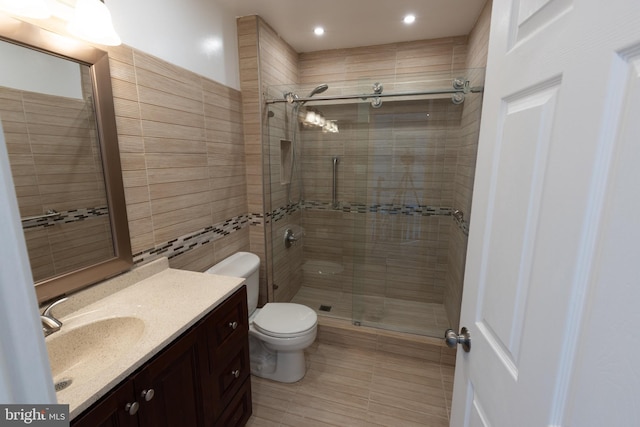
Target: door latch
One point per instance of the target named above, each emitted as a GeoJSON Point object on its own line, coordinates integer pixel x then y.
{"type": "Point", "coordinates": [452, 339]}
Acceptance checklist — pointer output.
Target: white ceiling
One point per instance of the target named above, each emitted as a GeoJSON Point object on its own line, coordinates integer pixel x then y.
{"type": "Point", "coordinates": [352, 23]}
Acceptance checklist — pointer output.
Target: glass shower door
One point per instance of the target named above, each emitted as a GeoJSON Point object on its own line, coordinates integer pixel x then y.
{"type": "Point", "coordinates": [402, 241]}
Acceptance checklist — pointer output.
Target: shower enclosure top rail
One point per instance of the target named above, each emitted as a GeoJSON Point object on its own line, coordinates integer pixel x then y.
{"type": "Point", "coordinates": [364, 97]}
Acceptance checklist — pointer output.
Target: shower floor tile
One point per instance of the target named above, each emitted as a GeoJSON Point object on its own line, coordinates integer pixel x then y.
{"type": "Point", "coordinates": [420, 318]}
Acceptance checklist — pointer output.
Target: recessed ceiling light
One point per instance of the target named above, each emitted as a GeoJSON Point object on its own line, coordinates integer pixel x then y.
{"type": "Point", "coordinates": [409, 19]}
{"type": "Point", "coordinates": [318, 31]}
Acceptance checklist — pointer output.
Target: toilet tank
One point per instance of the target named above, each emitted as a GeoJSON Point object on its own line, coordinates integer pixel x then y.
{"type": "Point", "coordinates": [245, 265]}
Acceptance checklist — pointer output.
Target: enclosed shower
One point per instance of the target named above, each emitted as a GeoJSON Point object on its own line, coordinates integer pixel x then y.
{"type": "Point", "coordinates": [370, 187]}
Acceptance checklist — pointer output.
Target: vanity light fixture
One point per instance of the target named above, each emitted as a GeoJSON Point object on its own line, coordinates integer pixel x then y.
{"type": "Point", "coordinates": [318, 31]}
{"type": "Point", "coordinates": [314, 118]}
{"type": "Point", "coordinates": [409, 19]}
{"type": "Point", "coordinates": [89, 20]}
{"type": "Point", "coordinates": [92, 22]}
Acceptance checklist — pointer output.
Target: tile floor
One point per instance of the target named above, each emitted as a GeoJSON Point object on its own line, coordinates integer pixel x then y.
{"type": "Point", "coordinates": [400, 315]}
{"type": "Point", "coordinates": [359, 379]}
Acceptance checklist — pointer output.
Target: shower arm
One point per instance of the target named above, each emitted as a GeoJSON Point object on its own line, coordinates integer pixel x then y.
{"type": "Point", "coordinates": [364, 97]}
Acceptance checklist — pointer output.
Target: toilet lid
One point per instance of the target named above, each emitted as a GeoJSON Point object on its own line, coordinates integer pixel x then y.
{"type": "Point", "coordinates": [285, 319]}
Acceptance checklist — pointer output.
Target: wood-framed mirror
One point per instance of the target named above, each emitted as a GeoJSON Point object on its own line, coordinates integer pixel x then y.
{"type": "Point", "coordinates": [56, 108]}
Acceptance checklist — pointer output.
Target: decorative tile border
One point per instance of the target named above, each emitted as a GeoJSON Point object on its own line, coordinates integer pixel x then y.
{"type": "Point", "coordinates": [65, 217]}
{"type": "Point", "coordinates": [281, 212]}
{"type": "Point", "coordinates": [386, 208]}
{"type": "Point", "coordinates": [182, 244]}
{"type": "Point", "coordinates": [391, 209]}
{"type": "Point", "coordinates": [175, 247]}
{"type": "Point", "coordinates": [462, 225]}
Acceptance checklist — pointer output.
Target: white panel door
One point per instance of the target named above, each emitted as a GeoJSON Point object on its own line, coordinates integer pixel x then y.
{"type": "Point", "coordinates": [553, 266]}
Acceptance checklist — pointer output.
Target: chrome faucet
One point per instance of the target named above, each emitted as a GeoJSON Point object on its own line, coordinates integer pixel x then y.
{"type": "Point", "coordinates": [49, 323]}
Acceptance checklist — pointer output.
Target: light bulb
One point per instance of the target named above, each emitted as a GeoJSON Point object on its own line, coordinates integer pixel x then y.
{"type": "Point", "coordinates": [310, 118]}
{"type": "Point", "coordinates": [92, 22]}
{"type": "Point", "coordinates": [409, 19]}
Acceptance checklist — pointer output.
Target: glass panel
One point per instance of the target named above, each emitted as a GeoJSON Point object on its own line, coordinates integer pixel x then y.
{"type": "Point", "coordinates": [409, 188]}
{"type": "Point", "coordinates": [282, 207]}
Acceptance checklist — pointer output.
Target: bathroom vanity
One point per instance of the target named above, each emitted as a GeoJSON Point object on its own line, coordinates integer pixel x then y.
{"type": "Point", "coordinates": [201, 379]}
{"type": "Point", "coordinates": [169, 349]}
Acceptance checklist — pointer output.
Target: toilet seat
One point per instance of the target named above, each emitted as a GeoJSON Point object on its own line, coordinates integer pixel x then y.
{"type": "Point", "coordinates": [285, 320]}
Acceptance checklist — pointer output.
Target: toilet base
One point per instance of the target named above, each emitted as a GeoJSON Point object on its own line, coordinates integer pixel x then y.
{"type": "Point", "coordinates": [291, 366]}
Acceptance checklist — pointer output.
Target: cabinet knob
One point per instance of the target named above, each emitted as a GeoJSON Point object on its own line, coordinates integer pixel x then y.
{"type": "Point", "coordinates": [233, 325]}
{"type": "Point", "coordinates": [236, 373]}
{"type": "Point", "coordinates": [147, 394]}
{"type": "Point", "coordinates": [132, 408]}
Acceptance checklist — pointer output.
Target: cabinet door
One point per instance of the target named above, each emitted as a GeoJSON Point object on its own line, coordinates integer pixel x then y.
{"type": "Point", "coordinates": [169, 388]}
{"type": "Point", "coordinates": [110, 411]}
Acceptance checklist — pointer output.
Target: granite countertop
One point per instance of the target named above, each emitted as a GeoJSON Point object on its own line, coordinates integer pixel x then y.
{"type": "Point", "coordinates": [164, 303]}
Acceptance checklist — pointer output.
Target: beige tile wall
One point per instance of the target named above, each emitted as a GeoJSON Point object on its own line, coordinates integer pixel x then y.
{"type": "Point", "coordinates": [279, 65]}
{"type": "Point", "coordinates": [183, 155]}
{"type": "Point", "coordinates": [395, 154]}
{"type": "Point", "coordinates": [267, 60]}
{"type": "Point", "coordinates": [465, 167]}
{"type": "Point", "coordinates": [375, 62]}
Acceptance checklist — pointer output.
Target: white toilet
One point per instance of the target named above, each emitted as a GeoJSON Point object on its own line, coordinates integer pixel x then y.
{"type": "Point", "coordinates": [278, 332]}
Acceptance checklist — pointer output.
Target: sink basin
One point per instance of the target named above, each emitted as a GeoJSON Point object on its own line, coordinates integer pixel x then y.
{"type": "Point", "coordinates": [77, 351]}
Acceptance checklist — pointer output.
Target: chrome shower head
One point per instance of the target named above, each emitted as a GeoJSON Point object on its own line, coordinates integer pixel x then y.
{"type": "Point", "coordinates": [318, 89]}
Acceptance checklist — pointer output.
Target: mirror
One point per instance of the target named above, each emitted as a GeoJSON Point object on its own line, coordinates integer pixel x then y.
{"type": "Point", "coordinates": [56, 108]}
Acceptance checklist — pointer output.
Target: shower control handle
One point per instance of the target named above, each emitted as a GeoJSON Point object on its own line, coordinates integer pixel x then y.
{"type": "Point", "coordinates": [452, 339]}
{"type": "Point", "coordinates": [289, 238]}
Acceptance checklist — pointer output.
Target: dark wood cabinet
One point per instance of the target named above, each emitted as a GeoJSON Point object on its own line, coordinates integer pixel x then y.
{"type": "Point", "coordinates": [169, 388]}
{"type": "Point", "coordinates": [201, 379]}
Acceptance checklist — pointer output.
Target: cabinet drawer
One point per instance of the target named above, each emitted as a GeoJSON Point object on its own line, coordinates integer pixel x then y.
{"type": "Point", "coordinates": [230, 374]}
{"type": "Point", "coordinates": [228, 325]}
{"type": "Point", "coordinates": [238, 411]}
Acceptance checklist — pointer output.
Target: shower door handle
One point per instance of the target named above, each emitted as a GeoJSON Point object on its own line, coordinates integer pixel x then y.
{"type": "Point", "coordinates": [452, 339]}
{"type": "Point", "coordinates": [334, 189]}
